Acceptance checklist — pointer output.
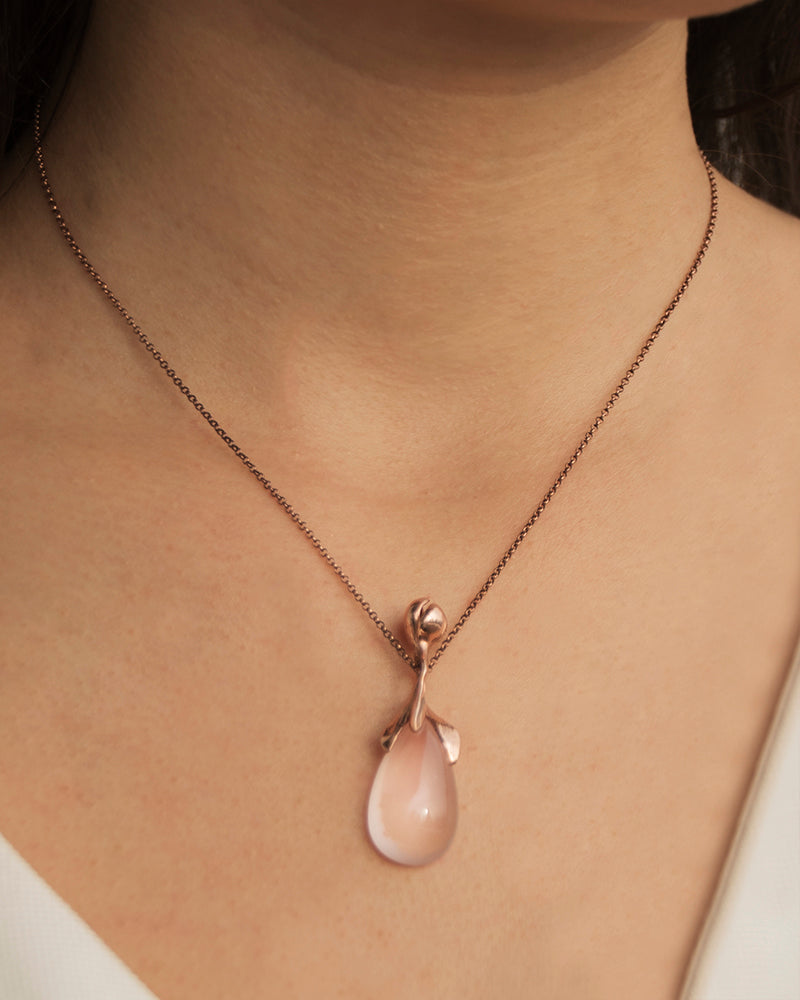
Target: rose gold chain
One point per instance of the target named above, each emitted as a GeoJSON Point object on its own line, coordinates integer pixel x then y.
{"type": "Point", "coordinates": [206, 414]}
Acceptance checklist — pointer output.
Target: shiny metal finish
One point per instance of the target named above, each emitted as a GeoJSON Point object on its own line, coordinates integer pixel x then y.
{"type": "Point", "coordinates": [414, 660]}
{"type": "Point", "coordinates": [426, 626]}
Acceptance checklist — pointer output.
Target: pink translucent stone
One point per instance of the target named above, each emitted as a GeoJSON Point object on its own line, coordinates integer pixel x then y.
{"type": "Point", "coordinates": [413, 809]}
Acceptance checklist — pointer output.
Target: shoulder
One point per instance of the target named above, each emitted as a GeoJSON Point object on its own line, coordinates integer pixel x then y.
{"type": "Point", "coordinates": [738, 394]}
{"type": "Point", "coordinates": [760, 249]}
{"type": "Point", "coordinates": [752, 312]}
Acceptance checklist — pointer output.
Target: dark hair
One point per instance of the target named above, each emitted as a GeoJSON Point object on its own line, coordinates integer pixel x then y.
{"type": "Point", "coordinates": [39, 41]}
{"type": "Point", "coordinates": [743, 72]}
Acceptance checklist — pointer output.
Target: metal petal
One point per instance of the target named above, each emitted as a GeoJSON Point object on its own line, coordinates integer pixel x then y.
{"type": "Point", "coordinates": [450, 739]}
{"type": "Point", "coordinates": [392, 732]}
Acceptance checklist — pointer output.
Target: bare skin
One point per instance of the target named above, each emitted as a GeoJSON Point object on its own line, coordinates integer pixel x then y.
{"type": "Point", "coordinates": [404, 263]}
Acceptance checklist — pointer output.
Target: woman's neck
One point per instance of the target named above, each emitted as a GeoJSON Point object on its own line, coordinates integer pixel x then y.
{"type": "Point", "coordinates": [406, 196]}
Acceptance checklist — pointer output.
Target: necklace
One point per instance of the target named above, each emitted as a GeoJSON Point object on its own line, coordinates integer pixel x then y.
{"type": "Point", "coordinates": [412, 808]}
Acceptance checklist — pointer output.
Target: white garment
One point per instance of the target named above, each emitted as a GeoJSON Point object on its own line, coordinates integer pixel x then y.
{"type": "Point", "coordinates": [749, 948]}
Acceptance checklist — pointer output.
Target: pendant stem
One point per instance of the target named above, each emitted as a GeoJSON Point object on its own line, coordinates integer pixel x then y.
{"type": "Point", "coordinates": [417, 712]}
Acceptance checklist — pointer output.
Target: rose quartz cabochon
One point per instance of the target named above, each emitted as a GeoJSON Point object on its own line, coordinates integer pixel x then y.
{"type": "Point", "coordinates": [413, 809]}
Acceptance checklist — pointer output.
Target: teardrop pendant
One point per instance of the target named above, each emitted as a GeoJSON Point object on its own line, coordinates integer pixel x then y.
{"type": "Point", "coordinates": [413, 806]}
{"type": "Point", "coordinates": [413, 809]}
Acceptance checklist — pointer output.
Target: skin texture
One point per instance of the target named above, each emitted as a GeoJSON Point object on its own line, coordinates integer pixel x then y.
{"type": "Point", "coordinates": [403, 252]}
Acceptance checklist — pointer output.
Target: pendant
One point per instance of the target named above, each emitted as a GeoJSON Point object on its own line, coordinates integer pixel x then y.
{"type": "Point", "coordinates": [413, 808]}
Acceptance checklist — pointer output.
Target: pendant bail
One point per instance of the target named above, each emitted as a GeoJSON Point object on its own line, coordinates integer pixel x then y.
{"type": "Point", "coordinates": [426, 625]}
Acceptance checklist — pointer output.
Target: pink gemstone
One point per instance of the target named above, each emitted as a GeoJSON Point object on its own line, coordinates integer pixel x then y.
{"type": "Point", "coordinates": [412, 811]}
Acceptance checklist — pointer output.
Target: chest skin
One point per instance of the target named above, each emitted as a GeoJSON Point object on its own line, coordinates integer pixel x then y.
{"type": "Point", "coordinates": [192, 704]}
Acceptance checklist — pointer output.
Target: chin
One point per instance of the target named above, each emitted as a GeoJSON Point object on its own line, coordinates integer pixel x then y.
{"type": "Point", "coordinates": [645, 11]}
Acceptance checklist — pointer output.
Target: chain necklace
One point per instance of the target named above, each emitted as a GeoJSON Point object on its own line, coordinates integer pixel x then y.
{"type": "Point", "coordinates": [412, 808]}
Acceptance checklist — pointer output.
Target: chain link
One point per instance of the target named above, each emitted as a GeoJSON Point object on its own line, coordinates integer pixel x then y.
{"type": "Point", "coordinates": [281, 500]}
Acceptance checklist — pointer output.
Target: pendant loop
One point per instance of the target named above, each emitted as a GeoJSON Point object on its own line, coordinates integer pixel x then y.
{"type": "Point", "coordinates": [426, 625]}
